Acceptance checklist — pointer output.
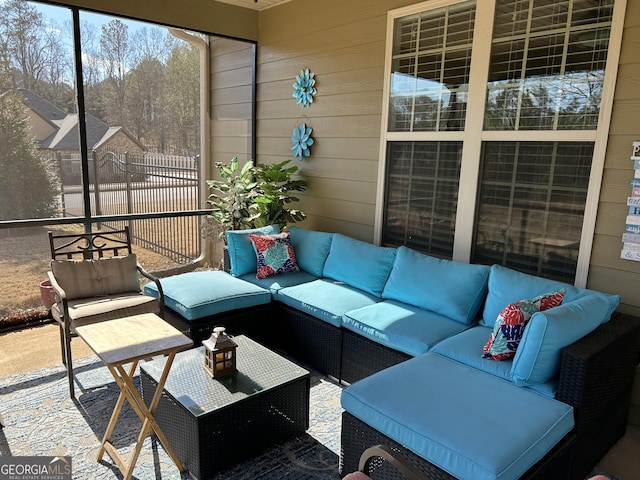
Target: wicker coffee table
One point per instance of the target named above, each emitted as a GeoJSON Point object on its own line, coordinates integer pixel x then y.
{"type": "Point", "coordinates": [214, 423]}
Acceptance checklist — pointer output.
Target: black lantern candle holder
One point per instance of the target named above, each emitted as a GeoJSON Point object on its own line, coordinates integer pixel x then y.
{"type": "Point", "coordinates": [219, 354]}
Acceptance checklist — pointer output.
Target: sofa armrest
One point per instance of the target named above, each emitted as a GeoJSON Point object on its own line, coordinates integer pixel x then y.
{"type": "Point", "coordinates": [598, 369]}
{"type": "Point", "coordinates": [596, 378]}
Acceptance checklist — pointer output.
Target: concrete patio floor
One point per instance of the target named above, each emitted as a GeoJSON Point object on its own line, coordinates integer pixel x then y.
{"type": "Point", "coordinates": [33, 348]}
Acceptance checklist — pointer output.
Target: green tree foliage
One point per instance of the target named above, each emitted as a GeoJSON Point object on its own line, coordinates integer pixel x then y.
{"type": "Point", "coordinates": [27, 189]}
{"type": "Point", "coordinates": [144, 95]}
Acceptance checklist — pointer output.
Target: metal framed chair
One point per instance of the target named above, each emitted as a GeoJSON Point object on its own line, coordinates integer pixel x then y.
{"type": "Point", "coordinates": [376, 457]}
{"type": "Point", "coordinates": [95, 277]}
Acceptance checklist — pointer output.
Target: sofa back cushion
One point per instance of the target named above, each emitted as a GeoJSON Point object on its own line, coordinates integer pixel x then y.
{"type": "Point", "coordinates": [312, 249]}
{"type": "Point", "coordinates": [241, 252]}
{"type": "Point", "coordinates": [455, 290]}
{"type": "Point", "coordinates": [100, 277]}
{"type": "Point", "coordinates": [508, 286]}
{"type": "Point", "coordinates": [359, 264]}
{"type": "Point", "coordinates": [537, 359]}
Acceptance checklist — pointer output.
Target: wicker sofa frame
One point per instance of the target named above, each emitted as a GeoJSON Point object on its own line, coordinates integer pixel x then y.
{"type": "Point", "coordinates": [240, 321]}
{"type": "Point", "coordinates": [362, 357]}
{"type": "Point", "coordinates": [596, 379]}
{"type": "Point", "coordinates": [596, 375]}
{"type": "Point", "coordinates": [357, 436]}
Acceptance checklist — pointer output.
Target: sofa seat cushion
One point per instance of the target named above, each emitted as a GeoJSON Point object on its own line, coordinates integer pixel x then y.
{"type": "Point", "coordinates": [466, 348]}
{"type": "Point", "coordinates": [201, 294]}
{"type": "Point", "coordinates": [360, 264]}
{"type": "Point", "coordinates": [507, 286]}
{"type": "Point", "coordinates": [431, 405]}
{"type": "Point", "coordinates": [400, 326]}
{"type": "Point", "coordinates": [325, 299]}
{"type": "Point", "coordinates": [84, 311]}
{"type": "Point", "coordinates": [277, 283]}
{"type": "Point", "coordinates": [453, 289]}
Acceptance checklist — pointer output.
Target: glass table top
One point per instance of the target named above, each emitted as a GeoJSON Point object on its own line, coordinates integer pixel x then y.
{"type": "Point", "coordinates": [259, 369]}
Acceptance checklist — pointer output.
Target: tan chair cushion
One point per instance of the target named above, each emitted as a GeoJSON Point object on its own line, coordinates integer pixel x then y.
{"type": "Point", "coordinates": [83, 311]}
{"type": "Point", "coordinates": [91, 278]}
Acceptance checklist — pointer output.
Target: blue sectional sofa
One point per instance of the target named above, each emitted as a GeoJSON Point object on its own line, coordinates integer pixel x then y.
{"type": "Point", "coordinates": [408, 331]}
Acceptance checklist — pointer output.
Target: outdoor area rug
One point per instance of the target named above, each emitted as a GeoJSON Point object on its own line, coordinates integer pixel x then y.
{"type": "Point", "coordinates": [41, 420]}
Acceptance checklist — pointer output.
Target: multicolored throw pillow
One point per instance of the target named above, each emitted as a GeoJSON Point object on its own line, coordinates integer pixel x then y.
{"type": "Point", "coordinates": [275, 254]}
{"type": "Point", "coordinates": [509, 327]}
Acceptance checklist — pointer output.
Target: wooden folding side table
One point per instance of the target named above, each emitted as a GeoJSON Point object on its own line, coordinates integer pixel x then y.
{"type": "Point", "coordinates": [129, 340]}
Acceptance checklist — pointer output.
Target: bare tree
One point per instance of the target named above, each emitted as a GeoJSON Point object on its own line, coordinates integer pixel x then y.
{"type": "Point", "coordinates": [116, 52]}
{"type": "Point", "coordinates": [151, 42]}
{"type": "Point", "coordinates": [23, 32]}
{"type": "Point", "coordinates": [57, 77]}
{"type": "Point", "coordinates": [183, 95]}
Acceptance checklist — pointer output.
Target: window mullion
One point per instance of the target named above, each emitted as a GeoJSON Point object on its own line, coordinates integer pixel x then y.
{"type": "Point", "coordinates": [416, 57]}
{"type": "Point", "coordinates": [563, 65]}
{"type": "Point", "coordinates": [472, 135]}
{"type": "Point", "coordinates": [443, 56]}
{"type": "Point", "coordinates": [523, 68]}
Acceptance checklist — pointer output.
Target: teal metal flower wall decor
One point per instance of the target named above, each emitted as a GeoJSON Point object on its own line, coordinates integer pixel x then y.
{"type": "Point", "coordinates": [303, 88]}
{"type": "Point", "coordinates": [301, 141]}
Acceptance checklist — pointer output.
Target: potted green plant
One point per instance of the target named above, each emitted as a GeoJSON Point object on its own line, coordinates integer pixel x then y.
{"type": "Point", "coordinates": [273, 202]}
{"type": "Point", "coordinates": [254, 196]}
{"type": "Point", "coordinates": [232, 198]}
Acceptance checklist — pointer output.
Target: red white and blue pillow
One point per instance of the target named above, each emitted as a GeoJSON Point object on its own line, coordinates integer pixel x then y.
{"type": "Point", "coordinates": [511, 322]}
{"type": "Point", "coordinates": [275, 254]}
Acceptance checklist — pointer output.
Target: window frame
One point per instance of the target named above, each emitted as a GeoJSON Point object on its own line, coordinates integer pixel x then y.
{"type": "Point", "coordinates": [473, 135]}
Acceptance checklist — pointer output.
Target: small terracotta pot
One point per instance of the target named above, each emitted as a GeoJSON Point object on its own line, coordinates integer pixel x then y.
{"type": "Point", "coordinates": [47, 294]}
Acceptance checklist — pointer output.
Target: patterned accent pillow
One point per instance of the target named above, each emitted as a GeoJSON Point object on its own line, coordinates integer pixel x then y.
{"type": "Point", "coordinates": [275, 254]}
{"type": "Point", "coordinates": [510, 324]}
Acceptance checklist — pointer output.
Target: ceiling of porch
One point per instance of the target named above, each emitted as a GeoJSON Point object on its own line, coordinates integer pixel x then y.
{"type": "Point", "coordinates": [254, 4]}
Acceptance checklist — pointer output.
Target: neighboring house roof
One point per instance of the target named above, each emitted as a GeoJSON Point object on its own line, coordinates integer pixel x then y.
{"type": "Point", "coordinates": [110, 133]}
{"type": "Point", "coordinates": [67, 136]}
{"type": "Point", "coordinates": [42, 107]}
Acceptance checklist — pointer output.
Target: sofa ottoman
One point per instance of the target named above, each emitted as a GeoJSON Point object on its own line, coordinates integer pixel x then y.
{"type": "Point", "coordinates": [198, 301]}
{"type": "Point", "coordinates": [468, 423]}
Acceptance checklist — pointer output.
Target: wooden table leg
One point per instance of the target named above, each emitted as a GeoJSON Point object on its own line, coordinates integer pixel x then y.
{"type": "Point", "coordinates": [130, 392]}
{"type": "Point", "coordinates": [116, 410]}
